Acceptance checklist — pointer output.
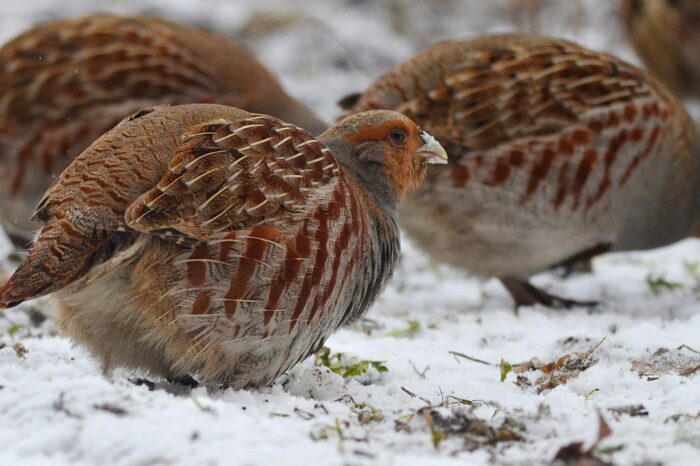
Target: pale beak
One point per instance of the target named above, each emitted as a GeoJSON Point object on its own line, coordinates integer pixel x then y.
{"type": "Point", "coordinates": [431, 150]}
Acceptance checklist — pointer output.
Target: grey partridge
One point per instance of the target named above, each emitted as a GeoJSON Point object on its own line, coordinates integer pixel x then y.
{"type": "Point", "coordinates": [63, 84]}
{"type": "Point", "coordinates": [202, 240]}
{"type": "Point", "coordinates": [557, 153]}
{"type": "Point", "coordinates": [666, 35]}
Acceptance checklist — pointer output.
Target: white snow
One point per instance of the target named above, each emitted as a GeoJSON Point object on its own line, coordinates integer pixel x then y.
{"type": "Point", "coordinates": [56, 407]}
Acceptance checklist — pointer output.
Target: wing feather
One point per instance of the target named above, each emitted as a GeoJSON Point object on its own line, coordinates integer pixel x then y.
{"type": "Point", "coordinates": [231, 175]}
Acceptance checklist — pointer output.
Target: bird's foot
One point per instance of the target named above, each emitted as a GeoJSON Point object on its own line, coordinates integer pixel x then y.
{"type": "Point", "coordinates": [187, 381]}
{"type": "Point", "coordinates": [174, 385]}
{"type": "Point", "coordinates": [138, 381]}
{"type": "Point", "coordinates": [526, 294]}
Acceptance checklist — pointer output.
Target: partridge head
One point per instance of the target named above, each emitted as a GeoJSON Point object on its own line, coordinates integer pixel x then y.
{"type": "Point", "coordinates": [64, 83]}
{"type": "Point", "coordinates": [557, 153]}
{"type": "Point", "coordinates": [207, 241]}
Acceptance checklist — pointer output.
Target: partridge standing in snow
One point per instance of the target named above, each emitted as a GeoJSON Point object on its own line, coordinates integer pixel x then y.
{"type": "Point", "coordinates": [666, 35]}
{"type": "Point", "coordinates": [556, 153]}
{"type": "Point", "coordinates": [207, 241]}
{"type": "Point", "coordinates": [63, 84]}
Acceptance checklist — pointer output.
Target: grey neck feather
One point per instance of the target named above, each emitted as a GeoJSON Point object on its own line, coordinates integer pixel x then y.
{"type": "Point", "coordinates": [370, 176]}
{"type": "Point", "coordinates": [383, 232]}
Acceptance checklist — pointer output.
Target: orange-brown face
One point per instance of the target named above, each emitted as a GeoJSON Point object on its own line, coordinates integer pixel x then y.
{"type": "Point", "coordinates": [398, 144]}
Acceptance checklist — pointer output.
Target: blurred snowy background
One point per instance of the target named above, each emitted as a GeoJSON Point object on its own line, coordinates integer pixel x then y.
{"type": "Point", "coordinates": [425, 379]}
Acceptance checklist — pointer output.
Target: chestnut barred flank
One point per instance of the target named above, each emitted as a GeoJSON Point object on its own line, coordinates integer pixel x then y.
{"type": "Point", "coordinates": [208, 241]}
{"type": "Point", "coordinates": [557, 152]}
{"type": "Point", "coordinates": [65, 83]}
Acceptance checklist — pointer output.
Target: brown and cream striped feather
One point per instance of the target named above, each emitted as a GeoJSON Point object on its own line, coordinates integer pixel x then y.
{"type": "Point", "coordinates": [64, 84]}
{"type": "Point", "coordinates": [555, 149]}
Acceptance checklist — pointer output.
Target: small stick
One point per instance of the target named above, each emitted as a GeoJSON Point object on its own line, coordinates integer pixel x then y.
{"type": "Point", "coordinates": [469, 358]}
{"type": "Point", "coordinates": [688, 348]}
{"type": "Point", "coordinates": [690, 371]}
{"type": "Point", "coordinates": [413, 395]}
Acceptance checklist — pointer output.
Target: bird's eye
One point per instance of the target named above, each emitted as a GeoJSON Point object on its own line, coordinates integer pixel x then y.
{"type": "Point", "coordinates": [398, 136]}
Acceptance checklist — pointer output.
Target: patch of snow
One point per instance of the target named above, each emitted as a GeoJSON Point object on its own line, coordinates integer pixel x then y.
{"type": "Point", "coordinates": [56, 407]}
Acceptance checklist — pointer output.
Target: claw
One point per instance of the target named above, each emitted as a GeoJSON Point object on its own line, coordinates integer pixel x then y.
{"type": "Point", "coordinates": [526, 294]}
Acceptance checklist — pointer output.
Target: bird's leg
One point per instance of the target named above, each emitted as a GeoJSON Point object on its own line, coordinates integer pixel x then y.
{"type": "Point", "coordinates": [526, 294]}
{"type": "Point", "coordinates": [582, 262]}
{"type": "Point", "coordinates": [582, 266]}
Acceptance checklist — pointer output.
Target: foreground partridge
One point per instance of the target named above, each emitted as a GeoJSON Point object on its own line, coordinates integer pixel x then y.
{"type": "Point", "coordinates": [557, 153]}
{"type": "Point", "coordinates": [666, 35]}
{"type": "Point", "coordinates": [202, 240]}
{"type": "Point", "coordinates": [63, 84]}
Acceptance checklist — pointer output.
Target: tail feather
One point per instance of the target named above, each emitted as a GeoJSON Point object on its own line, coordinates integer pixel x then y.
{"type": "Point", "coordinates": [60, 256]}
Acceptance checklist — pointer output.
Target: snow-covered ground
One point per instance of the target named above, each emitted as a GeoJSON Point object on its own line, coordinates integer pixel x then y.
{"type": "Point", "coordinates": [624, 378]}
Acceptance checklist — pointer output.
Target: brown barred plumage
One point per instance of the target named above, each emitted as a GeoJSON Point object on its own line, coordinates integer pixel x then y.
{"type": "Point", "coordinates": [556, 152]}
{"type": "Point", "coordinates": [64, 84]}
{"type": "Point", "coordinates": [208, 241]}
{"type": "Point", "coordinates": [666, 35]}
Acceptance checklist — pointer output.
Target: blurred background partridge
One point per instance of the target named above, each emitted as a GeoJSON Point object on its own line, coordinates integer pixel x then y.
{"type": "Point", "coordinates": [63, 84]}
{"type": "Point", "coordinates": [203, 240]}
{"type": "Point", "coordinates": [666, 35]}
{"type": "Point", "coordinates": [557, 153]}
